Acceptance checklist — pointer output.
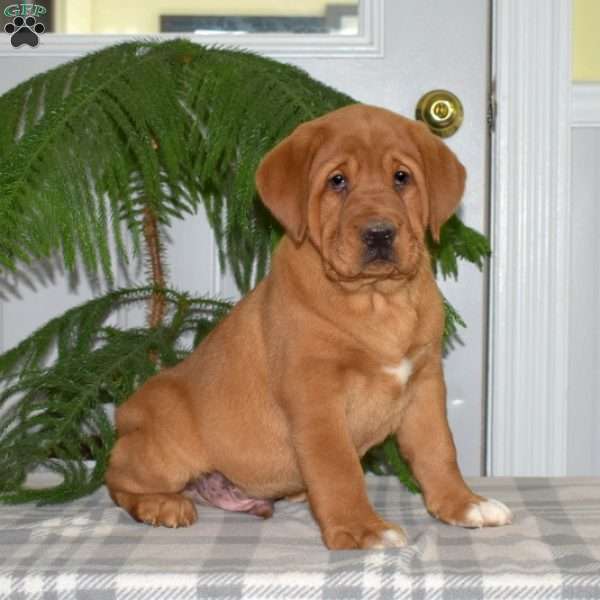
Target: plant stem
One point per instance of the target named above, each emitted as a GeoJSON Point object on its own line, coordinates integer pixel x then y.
{"type": "Point", "coordinates": [153, 245]}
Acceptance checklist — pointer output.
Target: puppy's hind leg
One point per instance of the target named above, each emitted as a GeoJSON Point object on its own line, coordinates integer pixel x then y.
{"type": "Point", "coordinates": [149, 467]}
{"type": "Point", "coordinates": [150, 494]}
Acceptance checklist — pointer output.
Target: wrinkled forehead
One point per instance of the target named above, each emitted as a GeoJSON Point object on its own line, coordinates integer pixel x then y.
{"type": "Point", "coordinates": [368, 138]}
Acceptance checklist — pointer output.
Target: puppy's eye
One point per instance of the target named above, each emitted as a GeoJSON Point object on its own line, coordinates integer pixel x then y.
{"type": "Point", "coordinates": [338, 182]}
{"type": "Point", "coordinates": [401, 178]}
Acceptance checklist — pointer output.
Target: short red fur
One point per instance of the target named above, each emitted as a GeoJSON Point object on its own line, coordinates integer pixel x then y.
{"type": "Point", "coordinates": [332, 352]}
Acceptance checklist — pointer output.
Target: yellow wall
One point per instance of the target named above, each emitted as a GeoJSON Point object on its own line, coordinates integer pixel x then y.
{"type": "Point", "coordinates": [586, 40]}
{"type": "Point", "coordinates": [135, 16]}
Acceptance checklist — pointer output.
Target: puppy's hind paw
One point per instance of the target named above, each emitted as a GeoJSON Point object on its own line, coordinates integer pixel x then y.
{"type": "Point", "coordinates": [168, 510]}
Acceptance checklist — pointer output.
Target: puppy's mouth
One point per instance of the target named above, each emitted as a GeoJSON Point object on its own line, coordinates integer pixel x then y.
{"type": "Point", "coordinates": [371, 265]}
{"type": "Point", "coordinates": [378, 256]}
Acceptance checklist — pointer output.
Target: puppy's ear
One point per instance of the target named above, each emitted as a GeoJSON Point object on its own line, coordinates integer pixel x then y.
{"type": "Point", "coordinates": [282, 179]}
{"type": "Point", "coordinates": [444, 178]}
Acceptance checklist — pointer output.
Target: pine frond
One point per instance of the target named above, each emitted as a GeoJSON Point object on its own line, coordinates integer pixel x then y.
{"type": "Point", "coordinates": [452, 322]}
{"type": "Point", "coordinates": [385, 459]}
{"type": "Point", "coordinates": [55, 416]}
{"type": "Point", "coordinates": [457, 242]}
{"type": "Point", "coordinates": [88, 128]}
{"type": "Point", "coordinates": [74, 331]}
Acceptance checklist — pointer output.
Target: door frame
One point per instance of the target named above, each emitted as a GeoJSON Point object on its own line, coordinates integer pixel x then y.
{"type": "Point", "coordinates": [530, 234]}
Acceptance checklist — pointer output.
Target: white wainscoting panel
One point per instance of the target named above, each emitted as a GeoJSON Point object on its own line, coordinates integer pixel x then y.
{"type": "Point", "coordinates": [583, 449]}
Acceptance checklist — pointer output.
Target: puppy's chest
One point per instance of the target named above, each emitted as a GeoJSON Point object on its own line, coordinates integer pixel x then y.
{"type": "Point", "coordinates": [393, 351]}
{"type": "Point", "coordinates": [377, 396]}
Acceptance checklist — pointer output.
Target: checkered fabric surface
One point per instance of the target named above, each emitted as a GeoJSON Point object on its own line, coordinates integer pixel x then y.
{"type": "Point", "coordinates": [91, 549]}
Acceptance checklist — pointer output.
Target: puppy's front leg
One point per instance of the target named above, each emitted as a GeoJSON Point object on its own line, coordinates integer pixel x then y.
{"type": "Point", "coordinates": [331, 468]}
{"type": "Point", "coordinates": [425, 440]}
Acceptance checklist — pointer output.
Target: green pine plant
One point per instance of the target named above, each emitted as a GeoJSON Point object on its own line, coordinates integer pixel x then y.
{"type": "Point", "coordinates": [116, 145]}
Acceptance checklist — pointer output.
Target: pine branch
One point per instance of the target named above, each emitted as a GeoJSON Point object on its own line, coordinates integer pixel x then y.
{"type": "Point", "coordinates": [60, 409]}
{"type": "Point", "coordinates": [452, 322]}
{"type": "Point", "coordinates": [385, 459]}
{"type": "Point", "coordinates": [457, 242]}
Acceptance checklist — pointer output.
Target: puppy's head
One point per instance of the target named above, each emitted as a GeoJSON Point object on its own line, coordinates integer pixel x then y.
{"type": "Point", "coordinates": [364, 184]}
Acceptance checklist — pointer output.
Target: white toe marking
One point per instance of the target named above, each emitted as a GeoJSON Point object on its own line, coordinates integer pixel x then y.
{"type": "Point", "coordinates": [495, 512]}
{"type": "Point", "coordinates": [388, 538]}
{"type": "Point", "coordinates": [488, 513]}
{"type": "Point", "coordinates": [401, 372]}
{"type": "Point", "coordinates": [393, 538]}
{"type": "Point", "coordinates": [474, 517]}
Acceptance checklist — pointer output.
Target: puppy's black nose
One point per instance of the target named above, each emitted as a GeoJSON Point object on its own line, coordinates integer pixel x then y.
{"type": "Point", "coordinates": [378, 235]}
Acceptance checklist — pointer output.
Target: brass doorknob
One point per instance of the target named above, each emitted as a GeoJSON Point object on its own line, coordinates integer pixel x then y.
{"type": "Point", "coordinates": [441, 111]}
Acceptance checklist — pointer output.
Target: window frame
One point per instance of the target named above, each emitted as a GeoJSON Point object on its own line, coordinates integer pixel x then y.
{"type": "Point", "coordinates": [368, 43]}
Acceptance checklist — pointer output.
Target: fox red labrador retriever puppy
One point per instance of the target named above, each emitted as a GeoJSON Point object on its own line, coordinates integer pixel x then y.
{"type": "Point", "coordinates": [337, 348]}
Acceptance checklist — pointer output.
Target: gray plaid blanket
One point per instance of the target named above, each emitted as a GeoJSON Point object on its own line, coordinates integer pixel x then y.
{"type": "Point", "coordinates": [91, 549]}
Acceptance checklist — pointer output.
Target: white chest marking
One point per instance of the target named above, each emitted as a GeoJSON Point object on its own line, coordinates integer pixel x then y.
{"type": "Point", "coordinates": [401, 372]}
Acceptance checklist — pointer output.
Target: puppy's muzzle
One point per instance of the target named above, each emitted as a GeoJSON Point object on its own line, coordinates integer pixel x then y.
{"type": "Point", "coordinates": [378, 238]}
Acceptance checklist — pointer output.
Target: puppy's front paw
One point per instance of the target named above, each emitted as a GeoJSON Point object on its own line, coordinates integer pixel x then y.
{"type": "Point", "coordinates": [487, 513]}
{"type": "Point", "coordinates": [482, 512]}
{"type": "Point", "coordinates": [373, 535]}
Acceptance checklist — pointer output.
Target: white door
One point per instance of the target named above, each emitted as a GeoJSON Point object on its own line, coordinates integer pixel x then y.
{"type": "Point", "coordinates": [405, 48]}
{"type": "Point", "coordinates": [430, 45]}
